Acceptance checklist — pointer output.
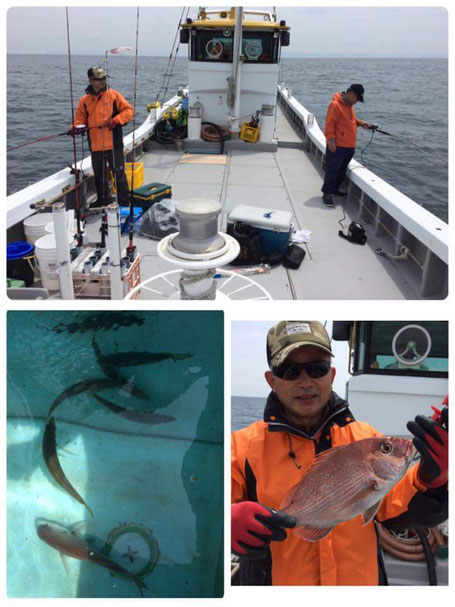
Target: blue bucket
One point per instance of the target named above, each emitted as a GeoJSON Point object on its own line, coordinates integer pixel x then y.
{"type": "Point", "coordinates": [17, 266]}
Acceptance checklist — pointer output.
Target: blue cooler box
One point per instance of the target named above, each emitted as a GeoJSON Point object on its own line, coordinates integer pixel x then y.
{"type": "Point", "coordinates": [275, 227]}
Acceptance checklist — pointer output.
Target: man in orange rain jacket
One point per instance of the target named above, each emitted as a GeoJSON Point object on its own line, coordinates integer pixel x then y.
{"type": "Point", "coordinates": [304, 417]}
{"type": "Point", "coordinates": [101, 113]}
{"type": "Point", "coordinates": [341, 134]}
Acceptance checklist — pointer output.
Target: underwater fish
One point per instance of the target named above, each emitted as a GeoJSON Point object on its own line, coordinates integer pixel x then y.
{"type": "Point", "coordinates": [75, 546]}
{"type": "Point", "coordinates": [109, 371]}
{"type": "Point", "coordinates": [103, 321]}
{"type": "Point", "coordinates": [134, 359]}
{"type": "Point", "coordinates": [141, 417]}
{"type": "Point", "coordinates": [86, 385]}
{"type": "Point", "coordinates": [346, 481]}
{"type": "Point", "coordinates": [53, 465]}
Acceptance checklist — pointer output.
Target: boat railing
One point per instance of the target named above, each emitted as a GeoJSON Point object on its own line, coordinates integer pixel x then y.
{"type": "Point", "coordinates": [409, 231]}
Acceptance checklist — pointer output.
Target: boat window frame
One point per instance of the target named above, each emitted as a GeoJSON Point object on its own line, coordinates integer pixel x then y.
{"type": "Point", "coordinates": [197, 44]}
{"type": "Point", "coordinates": [367, 370]}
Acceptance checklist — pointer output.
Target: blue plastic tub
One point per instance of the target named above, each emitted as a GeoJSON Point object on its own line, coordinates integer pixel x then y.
{"type": "Point", "coordinates": [17, 266]}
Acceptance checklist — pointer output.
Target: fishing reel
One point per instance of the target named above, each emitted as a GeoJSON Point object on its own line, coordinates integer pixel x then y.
{"type": "Point", "coordinates": [356, 233]}
{"type": "Point", "coordinates": [255, 119]}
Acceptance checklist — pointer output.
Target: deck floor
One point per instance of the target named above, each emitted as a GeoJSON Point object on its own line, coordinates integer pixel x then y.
{"type": "Point", "coordinates": [283, 180]}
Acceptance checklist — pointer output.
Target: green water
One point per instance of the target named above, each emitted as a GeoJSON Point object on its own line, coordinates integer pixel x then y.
{"type": "Point", "coordinates": [165, 481]}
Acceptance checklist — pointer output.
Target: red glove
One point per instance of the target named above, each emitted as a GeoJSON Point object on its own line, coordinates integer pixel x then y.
{"type": "Point", "coordinates": [254, 526]}
{"type": "Point", "coordinates": [111, 124]}
{"type": "Point", "coordinates": [432, 441]}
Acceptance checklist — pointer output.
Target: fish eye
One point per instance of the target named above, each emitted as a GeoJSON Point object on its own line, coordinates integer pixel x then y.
{"type": "Point", "coordinates": [386, 447]}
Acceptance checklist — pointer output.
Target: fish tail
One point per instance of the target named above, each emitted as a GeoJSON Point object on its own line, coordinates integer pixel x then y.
{"type": "Point", "coordinates": [181, 356]}
{"type": "Point", "coordinates": [89, 509]}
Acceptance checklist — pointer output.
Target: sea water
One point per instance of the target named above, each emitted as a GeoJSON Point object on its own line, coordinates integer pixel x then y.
{"type": "Point", "coordinates": [156, 491]}
{"type": "Point", "coordinates": [397, 97]}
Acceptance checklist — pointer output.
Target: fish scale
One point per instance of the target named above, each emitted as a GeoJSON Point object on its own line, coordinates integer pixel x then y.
{"type": "Point", "coordinates": [344, 482]}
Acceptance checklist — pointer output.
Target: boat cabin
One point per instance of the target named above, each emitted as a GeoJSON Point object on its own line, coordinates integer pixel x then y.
{"type": "Point", "coordinates": [212, 55]}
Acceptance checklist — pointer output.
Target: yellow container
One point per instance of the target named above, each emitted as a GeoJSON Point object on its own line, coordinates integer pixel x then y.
{"type": "Point", "coordinates": [134, 176]}
{"type": "Point", "coordinates": [249, 133]}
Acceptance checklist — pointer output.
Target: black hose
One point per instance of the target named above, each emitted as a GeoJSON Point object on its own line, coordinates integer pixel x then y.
{"type": "Point", "coordinates": [429, 556]}
{"type": "Point", "coordinates": [165, 135]}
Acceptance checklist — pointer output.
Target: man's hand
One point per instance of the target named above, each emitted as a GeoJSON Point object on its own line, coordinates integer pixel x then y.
{"type": "Point", "coordinates": [365, 125]}
{"type": "Point", "coordinates": [332, 145]}
{"type": "Point", "coordinates": [77, 130]}
{"type": "Point", "coordinates": [111, 124]}
{"type": "Point", "coordinates": [254, 526]}
{"type": "Point", "coordinates": [432, 441]}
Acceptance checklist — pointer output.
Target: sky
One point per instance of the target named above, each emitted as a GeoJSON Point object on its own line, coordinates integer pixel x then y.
{"type": "Point", "coordinates": [315, 32]}
{"type": "Point", "coordinates": [249, 362]}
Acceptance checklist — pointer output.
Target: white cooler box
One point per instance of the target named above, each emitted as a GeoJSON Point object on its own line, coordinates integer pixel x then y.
{"type": "Point", "coordinates": [275, 227]}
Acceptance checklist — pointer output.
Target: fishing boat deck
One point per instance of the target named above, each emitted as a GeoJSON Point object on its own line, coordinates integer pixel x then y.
{"type": "Point", "coordinates": [286, 179]}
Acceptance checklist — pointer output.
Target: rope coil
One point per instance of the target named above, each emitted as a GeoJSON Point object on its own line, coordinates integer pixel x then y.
{"type": "Point", "coordinates": [190, 279]}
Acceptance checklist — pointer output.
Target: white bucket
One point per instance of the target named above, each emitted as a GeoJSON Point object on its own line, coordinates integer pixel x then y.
{"type": "Point", "coordinates": [35, 226]}
{"type": "Point", "coordinates": [46, 254]}
{"type": "Point", "coordinates": [70, 222]}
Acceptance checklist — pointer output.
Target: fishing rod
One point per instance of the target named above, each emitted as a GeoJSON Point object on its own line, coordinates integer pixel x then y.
{"type": "Point", "coordinates": [375, 128]}
{"type": "Point", "coordinates": [175, 47]}
{"type": "Point", "coordinates": [73, 131]}
{"type": "Point", "coordinates": [79, 216]}
{"type": "Point", "coordinates": [131, 247]}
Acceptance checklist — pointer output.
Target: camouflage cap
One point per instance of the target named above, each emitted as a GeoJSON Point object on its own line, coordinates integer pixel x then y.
{"type": "Point", "coordinates": [288, 335]}
{"type": "Point", "coordinates": [97, 72]}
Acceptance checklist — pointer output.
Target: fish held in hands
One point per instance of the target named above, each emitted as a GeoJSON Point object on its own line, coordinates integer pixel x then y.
{"type": "Point", "coordinates": [347, 481]}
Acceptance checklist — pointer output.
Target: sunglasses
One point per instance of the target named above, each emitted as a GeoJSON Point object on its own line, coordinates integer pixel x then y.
{"type": "Point", "coordinates": [291, 371]}
{"type": "Point", "coordinates": [98, 79]}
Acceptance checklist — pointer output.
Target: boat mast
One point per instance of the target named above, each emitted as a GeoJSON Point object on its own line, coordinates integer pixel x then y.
{"type": "Point", "coordinates": [236, 79]}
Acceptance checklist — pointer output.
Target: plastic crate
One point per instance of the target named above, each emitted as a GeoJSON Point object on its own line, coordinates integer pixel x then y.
{"type": "Point", "coordinates": [249, 133]}
{"type": "Point", "coordinates": [98, 286]}
{"type": "Point", "coordinates": [136, 174]}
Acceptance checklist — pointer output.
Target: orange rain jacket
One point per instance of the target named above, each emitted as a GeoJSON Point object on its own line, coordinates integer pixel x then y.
{"type": "Point", "coordinates": [341, 123]}
{"type": "Point", "coordinates": [95, 109]}
{"type": "Point", "coordinates": [263, 471]}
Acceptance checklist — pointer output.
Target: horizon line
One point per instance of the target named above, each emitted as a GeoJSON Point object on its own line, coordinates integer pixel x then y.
{"type": "Point", "coordinates": [288, 57]}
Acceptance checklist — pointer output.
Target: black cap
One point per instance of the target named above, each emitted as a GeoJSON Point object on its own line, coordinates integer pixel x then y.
{"type": "Point", "coordinates": [358, 90]}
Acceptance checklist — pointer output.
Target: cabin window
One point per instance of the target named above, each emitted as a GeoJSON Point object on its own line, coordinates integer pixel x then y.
{"type": "Point", "coordinates": [216, 46]}
{"type": "Point", "coordinates": [406, 348]}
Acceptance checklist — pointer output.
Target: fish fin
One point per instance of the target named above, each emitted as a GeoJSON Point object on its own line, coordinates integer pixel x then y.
{"type": "Point", "coordinates": [66, 450]}
{"type": "Point", "coordinates": [369, 514]}
{"type": "Point", "coordinates": [324, 455]}
{"type": "Point", "coordinates": [309, 534]}
{"type": "Point", "coordinates": [64, 560]}
{"type": "Point", "coordinates": [287, 499]}
{"type": "Point", "coordinates": [378, 484]}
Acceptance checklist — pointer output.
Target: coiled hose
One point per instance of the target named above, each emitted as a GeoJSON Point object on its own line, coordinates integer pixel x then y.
{"type": "Point", "coordinates": [166, 133]}
{"type": "Point", "coordinates": [213, 132]}
{"type": "Point", "coordinates": [421, 547]}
